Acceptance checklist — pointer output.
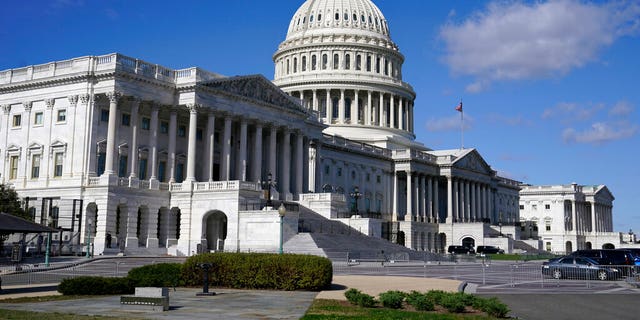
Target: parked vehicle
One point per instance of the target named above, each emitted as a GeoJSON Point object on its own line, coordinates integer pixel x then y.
{"type": "Point", "coordinates": [614, 257]}
{"type": "Point", "coordinates": [489, 250]}
{"type": "Point", "coordinates": [579, 268]}
{"type": "Point", "coordinates": [636, 254]}
{"type": "Point", "coordinates": [460, 250]}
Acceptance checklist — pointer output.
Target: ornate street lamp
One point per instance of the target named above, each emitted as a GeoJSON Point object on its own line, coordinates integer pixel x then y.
{"type": "Point", "coordinates": [281, 212]}
{"type": "Point", "coordinates": [88, 232]}
{"type": "Point", "coordinates": [355, 194]}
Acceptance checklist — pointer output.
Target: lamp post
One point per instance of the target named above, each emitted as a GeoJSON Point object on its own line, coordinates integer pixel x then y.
{"type": "Point", "coordinates": [281, 212]}
{"type": "Point", "coordinates": [47, 253]}
{"type": "Point", "coordinates": [355, 194]}
{"type": "Point", "coordinates": [500, 225]}
{"type": "Point", "coordinates": [88, 232]}
{"type": "Point", "coordinates": [530, 231]}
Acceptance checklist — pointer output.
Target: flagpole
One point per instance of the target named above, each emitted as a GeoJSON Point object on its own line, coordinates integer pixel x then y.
{"type": "Point", "coordinates": [461, 126]}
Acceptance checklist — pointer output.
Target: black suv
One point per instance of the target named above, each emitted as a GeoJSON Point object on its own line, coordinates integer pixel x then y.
{"type": "Point", "coordinates": [614, 257]}
{"type": "Point", "coordinates": [489, 250]}
{"type": "Point", "coordinates": [460, 249]}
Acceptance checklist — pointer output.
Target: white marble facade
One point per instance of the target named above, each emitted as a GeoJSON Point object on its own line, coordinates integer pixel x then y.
{"type": "Point", "coordinates": [564, 218]}
{"type": "Point", "coordinates": [175, 161]}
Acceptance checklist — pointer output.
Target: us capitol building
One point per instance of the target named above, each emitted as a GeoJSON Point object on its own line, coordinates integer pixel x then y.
{"type": "Point", "coordinates": [130, 156]}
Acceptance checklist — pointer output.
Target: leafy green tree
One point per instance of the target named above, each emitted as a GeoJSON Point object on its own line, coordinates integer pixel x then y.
{"type": "Point", "coordinates": [10, 202]}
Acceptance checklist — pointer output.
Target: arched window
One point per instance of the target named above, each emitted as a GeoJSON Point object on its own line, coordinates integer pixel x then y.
{"type": "Point", "coordinates": [347, 108]}
{"type": "Point", "coordinates": [295, 65]}
{"type": "Point", "coordinates": [325, 61]}
{"type": "Point", "coordinates": [336, 103]}
{"type": "Point", "coordinates": [347, 61]}
{"type": "Point", "coordinates": [355, 18]}
{"type": "Point", "coordinates": [336, 61]}
{"type": "Point", "coordinates": [369, 63]}
{"type": "Point", "coordinates": [288, 65]}
{"type": "Point", "coordinates": [337, 16]}
{"type": "Point", "coordinates": [362, 18]}
{"type": "Point", "coordinates": [314, 62]}
{"type": "Point", "coordinates": [358, 62]}
{"type": "Point", "coordinates": [304, 63]}
{"type": "Point", "coordinates": [386, 69]}
{"type": "Point", "coordinates": [319, 16]}
{"type": "Point", "coordinates": [311, 18]}
{"type": "Point", "coordinates": [378, 65]}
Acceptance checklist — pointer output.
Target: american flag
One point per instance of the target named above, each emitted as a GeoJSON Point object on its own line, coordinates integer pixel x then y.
{"type": "Point", "coordinates": [459, 107]}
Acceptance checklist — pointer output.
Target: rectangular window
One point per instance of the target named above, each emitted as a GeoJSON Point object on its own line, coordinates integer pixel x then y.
{"type": "Point", "coordinates": [104, 115]}
{"type": "Point", "coordinates": [17, 120]}
{"type": "Point", "coordinates": [548, 246]}
{"type": "Point", "coordinates": [182, 131]}
{"type": "Point", "coordinates": [164, 127]}
{"type": "Point", "coordinates": [57, 170]}
{"type": "Point", "coordinates": [368, 177]}
{"type": "Point", "coordinates": [142, 169]}
{"type": "Point", "coordinates": [179, 172]}
{"type": "Point", "coordinates": [126, 119]}
{"type": "Point", "coordinates": [122, 166]}
{"type": "Point", "coordinates": [199, 134]}
{"type": "Point", "coordinates": [547, 206]}
{"type": "Point", "coordinates": [13, 168]}
{"type": "Point", "coordinates": [522, 207]}
{"type": "Point", "coordinates": [38, 119]}
{"type": "Point", "coordinates": [162, 165]}
{"type": "Point", "coordinates": [378, 179]}
{"type": "Point", "coordinates": [548, 227]}
{"type": "Point", "coordinates": [339, 172]}
{"type": "Point", "coordinates": [35, 166]}
{"type": "Point", "coordinates": [102, 158]}
{"type": "Point", "coordinates": [146, 123]}
{"type": "Point", "coordinates": [62, 115]}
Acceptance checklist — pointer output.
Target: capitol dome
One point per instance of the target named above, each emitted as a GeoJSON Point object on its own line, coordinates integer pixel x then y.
{"type": "Point", "coordinates": [339, 59]}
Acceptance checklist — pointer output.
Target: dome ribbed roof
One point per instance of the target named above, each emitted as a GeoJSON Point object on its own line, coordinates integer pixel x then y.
{"type": "Point", "coordinates": [317, 17]}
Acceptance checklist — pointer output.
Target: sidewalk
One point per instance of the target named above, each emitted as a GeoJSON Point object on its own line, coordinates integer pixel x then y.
{"type": "Point", "coordinates": [228, 303]}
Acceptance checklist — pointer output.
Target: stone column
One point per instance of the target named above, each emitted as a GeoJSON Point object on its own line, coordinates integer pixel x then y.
{"type": "Point", "coordinates": [132, 227]}
{"type": "Point", "coordinates": [381, 120]}
{"type": "Point", "coordinates": [242, 155]}
{"type": "Point", "coordinates": [257, 153]}
{"type": "Point", "coordinates": [355, 111]}
{"type": "Point", "coordinates": [299, 163]}
{"type": "Point", "coordinates": [285, 184]}
{"type": "Point", "coordinates": [395, 197]}
{"type": "Point", "coordinates": [392, 111]}
{"type": "Point", "coordinates": [152, 227]}
{"type": "Point", "coordinates": [368, 110]}
{"type": "Point", "coordinates": [341, 107]}
{"type": "Point", "coordinates": [273, 151]}
{"type": "Point", "coordinates": [450, 212]}
{"type": "Point", "coordinates": [315, 100]}
{"type": "Point", "coordinates": [111, 132]}
{"type": "Point", "coordinates": [225, 159]}
{"type": "Point", "coordinates": [456, 201]}
{"type": "Point", "coordinates": [173, 128]}
{"type": "Point", "coordinates": [423, 199]}
{"type": "Point", "coordinates": [191, 147]}
{"type": "Point", "coordinates": [467, 202]}
{"type": "Point", "coordinates": [474, 197]}
{"type": "Point", "coordinates": [573, 216]}
{"type": "Point", "coordinates": [134, 140]}
{"type": "Point", "coordinates": [210, 147]}
{"type": "Point", "coordinates": [430, 199]}
{"type": "Point", "coordinates": [436, 201]}
{"type": "Point", "coordinates": [153, 142]}
{"type": "Point", "coordinates": [409, 197]}
{"type": "Point", "coordinates": [329, 108]}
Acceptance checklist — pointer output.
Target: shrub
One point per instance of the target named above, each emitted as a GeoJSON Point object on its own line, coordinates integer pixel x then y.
{"type": "Point", "coordinates": [465, 298]}
{"type": "Point", "coordinates": [156, 275]}
{"type": "Point", "coordinates": [260, 271]}
{"type": "Point", "coordinates": [355, 297]}
{"type": "Point", "coordinates": [392, 299]}
{"type": "Point", "coordinates": [436, 296]}
{"type": "Point", "coordinates": [492, 307]}
{"type": "Point", "coordinates": [95, 286]}
{"type": "Point", "coordinates": [453, 303]}
{"type": "Point", "coordinates": [420, 301]}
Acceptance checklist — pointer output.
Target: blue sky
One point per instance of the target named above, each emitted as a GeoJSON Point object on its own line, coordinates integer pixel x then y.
{"type": "Point", "coordinates": [550, 88]}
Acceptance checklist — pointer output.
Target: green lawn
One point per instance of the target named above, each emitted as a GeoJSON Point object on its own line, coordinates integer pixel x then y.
{"type": "Point", "coordinates": [334, 309]}
{"type": "Point", "coordinates": [29, 315]}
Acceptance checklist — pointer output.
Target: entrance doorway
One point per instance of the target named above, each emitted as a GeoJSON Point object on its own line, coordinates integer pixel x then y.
{"type": "Point", "coordinates": [215, 230]}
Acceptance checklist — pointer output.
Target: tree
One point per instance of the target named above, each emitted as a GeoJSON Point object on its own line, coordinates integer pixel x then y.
{"type": "Point", "coordinates": [10, 203]}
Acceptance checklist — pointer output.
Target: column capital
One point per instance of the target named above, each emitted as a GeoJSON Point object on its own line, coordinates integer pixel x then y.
{"type": "Point", "coordinates": [50, 102]}
{"type": "Point", "coordinates": [193, 107]}
{"type": "Point", "coordinates": [73, 101]}
{"type": "Point", "coordinates": [27, 105]}
{"type": "Point", "coordinates": [6, 108]}
{"type": "Point", "coordinates": [113, 96]}
{"type": "Point", "coordinates": [85, 98]}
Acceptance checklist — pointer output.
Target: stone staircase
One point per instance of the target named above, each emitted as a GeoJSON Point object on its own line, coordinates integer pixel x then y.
{"type": "Point", "coordinates": [335, 240]}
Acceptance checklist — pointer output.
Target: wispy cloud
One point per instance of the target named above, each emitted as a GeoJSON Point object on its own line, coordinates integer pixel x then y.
{"type": "Point", "coordinates": [600, 133]}
{"type": "Point", "coordinates": [622, 109]}
{"type": "Point", "coordinates": [449, 123]}
{"type": "Point", "coordinates": [513, 40]}
{"type": "Point", "coordinates": [514, 121]}
{"type": "Point", "coordinates": [571, 111]}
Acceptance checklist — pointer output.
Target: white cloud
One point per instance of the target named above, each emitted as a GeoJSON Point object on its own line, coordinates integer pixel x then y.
{"type": "Point", "coordinates": [622, 109]}
{"type": "Point", "coordinates": [570, 111]}
{"type": "Point", "coordinates": [514, 121]}
{"type": "Point", "coordinates": [600, 133]}
{"type": "Point", "coordinates": [452, 123]}
{"type": "Point", "coordinates": [512, 40]}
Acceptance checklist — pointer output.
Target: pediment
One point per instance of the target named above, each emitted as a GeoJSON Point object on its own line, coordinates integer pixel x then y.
{"type": "Point", "coordinates": [257, 88]}
{"type": "Point", "coordinates": [472, 161]}
{"type": "Point", "coordinates": [604, 193]}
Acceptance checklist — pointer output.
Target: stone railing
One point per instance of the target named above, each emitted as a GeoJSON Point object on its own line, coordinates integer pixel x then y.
{"type": "Point", "coordinates": [358, 76]}
{"type": "Point", "coordinates": [105, 63]}
{"type": "Point", "coordinates": [354, 145]}
{"type": "Point", "coordinates": [323, 196]}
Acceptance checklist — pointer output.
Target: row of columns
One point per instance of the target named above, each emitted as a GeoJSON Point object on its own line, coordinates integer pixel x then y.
{"type": "Point", "coordinates": [602, 215]}
{"type": "Point", "coordinates": [425, 207]}
{"type": "Point", "coordinates": [372, 111]}
{"type": "Point", "coordinates": [289, 161]}
{"type": "Point", "coordinates": [590, 217]}
{"type": "Point", "coordinates": [471, 201]}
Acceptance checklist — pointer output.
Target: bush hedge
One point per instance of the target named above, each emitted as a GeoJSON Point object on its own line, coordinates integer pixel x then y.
{"type": "Point", "coordinates": [95, 286]}
{"type": "Point", "coordinates": [420, 301]}
{"type": "Point", "coordinates": [260, 271]}
{"type": "Point", "coordinates": [355, 297]}
{"type": "Point", "coordinates": [392, 299]}
{"type": "Point", "coordinates": [156, 275]}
